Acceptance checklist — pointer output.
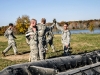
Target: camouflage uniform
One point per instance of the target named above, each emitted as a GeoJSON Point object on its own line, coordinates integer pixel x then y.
{"type": "Point", "coordinates": [32, 40]}
{"type": "Point", "coordinates": [65, 38]}
{"type": "Point", "coordinates": [50, 37]}
{"type": "Point", "coordinates": [42, 29]}
{"type": "Point", "coordinates": [11, 41]}
{"type": "Point", "coordinates": [42, 40]}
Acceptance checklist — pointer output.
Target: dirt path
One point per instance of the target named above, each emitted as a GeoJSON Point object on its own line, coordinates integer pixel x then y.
{"type": "Point", "coordinates": [17, 57]}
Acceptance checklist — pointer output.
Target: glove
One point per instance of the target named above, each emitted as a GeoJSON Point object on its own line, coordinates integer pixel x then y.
{"type": "Point", "coordinates": [54, 21]}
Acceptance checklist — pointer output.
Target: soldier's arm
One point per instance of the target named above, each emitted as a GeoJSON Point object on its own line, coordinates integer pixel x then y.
{"type": "Point", "coordinates": [28, 33]}
{"type": "Point", "coordinates": [35, 35]}
{"type": "Point", "coordinates": [6, 34]}
{"type": "Point", "coordinates": [52, 26]}
{"type": "Point", "coordinates": [59, 27]}
{"type": "Point", "coordinates": [29, 29]}
{"type": "Point", "coordinates": [68, 37]}
{"type": "Point", "coordinates": [14, 36]}
{"type": "Point", "coordinates": [27, 37]}
{"type": "Point", "coordinates": [54, 22]}
{"type": "Point", "coordinates": [47, 29]}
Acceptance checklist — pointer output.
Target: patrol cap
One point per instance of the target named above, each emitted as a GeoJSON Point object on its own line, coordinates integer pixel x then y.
{"type": "Point", "coordinates": [10, 24]}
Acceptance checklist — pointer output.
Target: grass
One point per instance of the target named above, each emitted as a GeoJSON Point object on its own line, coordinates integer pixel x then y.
{"type": "Point", "coordinates": [80, 43]}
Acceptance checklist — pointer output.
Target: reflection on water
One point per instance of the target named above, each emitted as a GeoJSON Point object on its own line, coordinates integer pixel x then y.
{"type": "Point", "coordinates": [96, 31]}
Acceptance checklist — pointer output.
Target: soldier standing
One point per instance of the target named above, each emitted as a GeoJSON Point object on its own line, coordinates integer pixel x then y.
{"type": "Point", "coordinates": [65, 37]}
{"type": "Point", "coordinates": [32, 37]}
{"type": "Point", "coordinates": [42, 38]}
{"type": "Point", "coordinates": [11, 40]}
{"type": "Point", "coordinates": [50, 37]}
{"type": "Point", "coordinates": [42, 29]}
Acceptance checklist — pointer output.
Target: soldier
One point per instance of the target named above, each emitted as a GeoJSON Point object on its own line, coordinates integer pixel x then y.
{"type": "Point", "coordinates": [65, 37]}
{"type": "Point", "coordinates": [42, 29]}
{"type": "Point", "coordinates": [32, 37]}
{"type": "Point", "coordinates": [50, 36]}
{"type": "Point", "coordinates": [11, 40]}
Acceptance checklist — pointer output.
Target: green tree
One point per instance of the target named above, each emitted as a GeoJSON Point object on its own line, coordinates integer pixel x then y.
{"type": "Point", "coordinates": [22, 24]}
{"type": "Point", "coordinates": [91, 27]}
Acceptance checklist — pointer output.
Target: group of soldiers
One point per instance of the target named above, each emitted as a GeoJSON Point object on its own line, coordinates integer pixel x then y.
{"type": "Point", "coordinates": [37, 37]}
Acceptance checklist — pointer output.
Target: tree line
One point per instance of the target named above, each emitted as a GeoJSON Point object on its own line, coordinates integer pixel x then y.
{"type": "Point", "coordinates": [22, 23]}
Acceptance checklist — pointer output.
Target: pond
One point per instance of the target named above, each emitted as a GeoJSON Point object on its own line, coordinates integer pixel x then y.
{"type": "Point", "coordinates": [96, 31]}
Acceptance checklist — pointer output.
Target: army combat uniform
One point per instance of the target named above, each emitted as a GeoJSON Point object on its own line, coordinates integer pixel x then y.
{"type": "Point", "coordinates": [42, 40]}
{"type": "Point", "coordinates": [42, 29]}
{"type": "Point", "coordinates": [50, 36]}
{"type": "Point", "coordinates": [11, 41]}
{"type": "Point", "coordinates": [32, 40]}
{"type": "Point", "coordinates": [65, 38]}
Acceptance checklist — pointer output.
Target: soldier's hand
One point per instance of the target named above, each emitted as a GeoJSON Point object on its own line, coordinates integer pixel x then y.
{"type": "Point", "coordinates": [34, 29]}
{"type": "Point", "coordinates": [66, 45]}
{"type": "Point", "coordinates": [15, 38]}
{"type": "Point", "coordinates": [54, 21]}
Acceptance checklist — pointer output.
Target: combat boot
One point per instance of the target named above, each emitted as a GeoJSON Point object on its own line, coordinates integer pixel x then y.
{"type": "Point", "coordinates": [17, 53]}
{"type": "Point", "coordinates": [3, 54]}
